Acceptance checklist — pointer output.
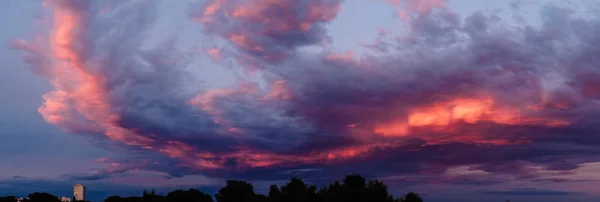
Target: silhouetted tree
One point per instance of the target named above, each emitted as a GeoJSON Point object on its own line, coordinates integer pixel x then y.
{"type": "Point", "coordinates": [152, 196]}
{"type": "Point", "coordinates": [43, 197]}
{"type": "Point", "coordinates": [297, 191]}
{"type": "Point", "coordinates": [274, 194]}
{"type": "Point", "coordinates": [114, 199]}
{"type": "Point", "coordinates": [376, 191]}
{"type": "Point", "coordinates": [191, 195]}
{"type": "Point", "coordinates": [236, 191]}
{"type": "Point", "coordinates": [354, 188]}
{"type": "Point", "coordinates": [260, 198]}
{"type": "Point", "coordinates": [8, 199]}
{"type": "Point", "coordinates": [412, 197]}
{"type": "Point", "coordinates": [334, 192]}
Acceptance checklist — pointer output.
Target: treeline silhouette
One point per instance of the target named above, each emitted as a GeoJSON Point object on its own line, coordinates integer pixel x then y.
{"type": "Point", "coordinates": [34, 197]}
{"type": "Point", "coordinates": [353, 188]}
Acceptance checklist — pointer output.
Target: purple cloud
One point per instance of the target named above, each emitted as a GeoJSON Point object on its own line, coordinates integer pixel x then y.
{"type": "Point", "coordinates": [451, 92]}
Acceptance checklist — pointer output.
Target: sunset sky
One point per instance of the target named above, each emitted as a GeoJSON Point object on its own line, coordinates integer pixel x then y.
{"type": "Point", "coordinates": [470, 100]}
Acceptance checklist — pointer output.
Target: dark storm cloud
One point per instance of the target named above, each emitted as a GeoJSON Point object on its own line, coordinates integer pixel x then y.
{"type": "Point", "coordinates": [453, 92]}
{"type": "Point", "coordinates": [510, 64]}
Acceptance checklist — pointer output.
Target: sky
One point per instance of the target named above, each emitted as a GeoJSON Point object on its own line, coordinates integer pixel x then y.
{"type": "Point", "coordinates": [459, 100]}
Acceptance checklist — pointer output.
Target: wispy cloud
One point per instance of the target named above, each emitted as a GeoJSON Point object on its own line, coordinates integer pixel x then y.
{"type": "Point", "coordinates": [531, 192]}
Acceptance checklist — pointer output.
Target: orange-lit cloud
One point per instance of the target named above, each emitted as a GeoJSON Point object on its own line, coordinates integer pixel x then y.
{"type": "Point", "coordinates": [424, 6]}
{"type": "Point", "coordinates": [215, 54]}
{"type": "Point", "coordinates": [278, 90]}
{"type": "Point", "coordinates": [448, 95]}
{"type": "Point", "coordinates": [347, 57]}
{"type": "Point", "coordinates": [471, 110]}
{"type": "Point", "coordinates": [75, 83]}
{"type": "Point", "coordinates": [417, 6]}
{"type": "Point", "coordinates": [267, 30]}
{"type": "Point", "coordinates": [207, 101]}
{"type": "Point", "coordinates": [406, 9]}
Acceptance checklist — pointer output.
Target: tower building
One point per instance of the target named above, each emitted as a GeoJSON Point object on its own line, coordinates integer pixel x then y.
{"type": "Point", "coordinates": [79, 192]}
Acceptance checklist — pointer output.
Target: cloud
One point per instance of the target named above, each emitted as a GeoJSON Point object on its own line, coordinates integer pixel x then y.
{"type": "Point", "coordinates": [16, 177]}
{"type": "Point", "coordinates": [113, 169]}
{"type": "Point", "coordinates": [266, 30]}
{"type": "Point", "coordinates": [451, 92]}
{"type": "Point", "coordinates": [531, 192]}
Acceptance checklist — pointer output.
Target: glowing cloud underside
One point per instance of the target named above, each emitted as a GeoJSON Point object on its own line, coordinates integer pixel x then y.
{"type": "Point", "coordinates": [449, 81]}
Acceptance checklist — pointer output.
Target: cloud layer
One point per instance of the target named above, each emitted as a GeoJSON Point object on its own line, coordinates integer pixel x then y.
{"type": "Point", "coordinates": [450, 92]}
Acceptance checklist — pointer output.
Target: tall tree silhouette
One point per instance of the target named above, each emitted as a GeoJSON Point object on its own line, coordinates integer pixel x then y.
{"type": "Point", "coordinates": [298, 191]}
{"type": "Point", "coordinates": [236, 191]}
{"type": "Point", "coordinates": [377, 191]}
{"type": "Point", "coordinates": [412, 197]}
{"type": "Point", "coordinates": [354, 189]}
{"type": "Point", "coordinates": [274, 194]}
{"type": "Point", "coordinates": [334, 193]}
